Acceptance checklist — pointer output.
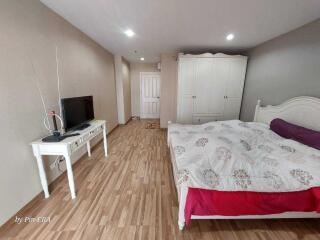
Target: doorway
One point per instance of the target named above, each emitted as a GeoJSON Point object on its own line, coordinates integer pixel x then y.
{"type": "Point", "coordinates": [150, 94]}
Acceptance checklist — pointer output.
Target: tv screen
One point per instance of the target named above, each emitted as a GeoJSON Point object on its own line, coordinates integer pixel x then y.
{"type": "Point", "coordinates": [76, 111]}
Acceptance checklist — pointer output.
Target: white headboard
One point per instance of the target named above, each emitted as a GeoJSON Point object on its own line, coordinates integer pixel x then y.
{"type": "Point", "coordinates": [303, 111]}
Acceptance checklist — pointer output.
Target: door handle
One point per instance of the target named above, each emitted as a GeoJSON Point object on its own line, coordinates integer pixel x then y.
{"type": "Point", "coordinates": [194, 96]}
{"type": "Point", "coordinates": [158, 97]}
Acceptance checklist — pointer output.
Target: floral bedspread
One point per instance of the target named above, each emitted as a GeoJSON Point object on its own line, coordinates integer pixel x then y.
{"type": "Point", "coordinates": [239, 156]}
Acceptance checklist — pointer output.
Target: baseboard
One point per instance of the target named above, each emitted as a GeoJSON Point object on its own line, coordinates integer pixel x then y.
{"type": "Point", "coordinates": [113, 129]}
{"type": "Point", "coordinates": [129, 120]}
{"type": "Point", "coordinates": [125, 122]}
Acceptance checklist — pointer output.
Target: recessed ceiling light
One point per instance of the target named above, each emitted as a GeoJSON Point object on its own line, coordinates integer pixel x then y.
{"type": "Point", "coordinates": [142, 59]}
{"type": "Point", "coordinates": [129, 33]}
{"type": "Point", "coordinates": [230, 37]}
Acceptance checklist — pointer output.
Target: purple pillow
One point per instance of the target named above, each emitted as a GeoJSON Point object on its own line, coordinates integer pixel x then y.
{"type": "Point", "coordinates": [300, 134]}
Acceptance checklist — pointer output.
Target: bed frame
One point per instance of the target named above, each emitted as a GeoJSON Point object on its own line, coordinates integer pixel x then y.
{"type": "Point", "coordinates": [303, 111]}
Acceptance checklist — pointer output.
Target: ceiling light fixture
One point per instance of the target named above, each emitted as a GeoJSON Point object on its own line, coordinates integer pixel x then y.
{"type": "Point", "coordinates": [230, 37]}
{"type": "Point", "coordinates": [129, 33]}
{"type": "Point", "coordinates": [142, 59]}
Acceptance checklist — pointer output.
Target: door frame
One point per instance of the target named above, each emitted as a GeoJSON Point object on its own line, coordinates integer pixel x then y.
{"type": "Point", "coordinates": [141, 75]}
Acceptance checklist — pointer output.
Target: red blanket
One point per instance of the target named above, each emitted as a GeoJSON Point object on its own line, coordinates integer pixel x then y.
{"type": "Point", "coordinates": [202, 202]}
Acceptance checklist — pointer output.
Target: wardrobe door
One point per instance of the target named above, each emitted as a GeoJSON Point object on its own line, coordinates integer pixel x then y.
{"type": "Point", "coordinates": [185, 113]}
{"type": "Point", "coordinates": [203, 81]}
{"type": "Point", "coordinates": [232, 108]}
{"type": "Point", "coordinates": [217, 88]}
{"type": "Point", "coordinates": [234, 87]}
{"type": "Point", "coordinates": [210, 85]}
{"type": "Point", "coordinates": [186, 78]}
{"type": "Point", "coordinates": [236, 76]}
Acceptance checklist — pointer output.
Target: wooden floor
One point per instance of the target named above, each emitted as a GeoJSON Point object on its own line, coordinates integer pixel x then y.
{"type": "Point", "coordinates": [130, 195]}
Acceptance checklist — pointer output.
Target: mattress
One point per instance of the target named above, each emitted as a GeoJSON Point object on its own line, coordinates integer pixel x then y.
{"type": "Point", "coordinates": [235, 168]}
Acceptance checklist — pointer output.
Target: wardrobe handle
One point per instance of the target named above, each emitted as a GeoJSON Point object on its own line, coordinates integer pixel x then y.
{"type": "Point", "coordinates": [194, 96]}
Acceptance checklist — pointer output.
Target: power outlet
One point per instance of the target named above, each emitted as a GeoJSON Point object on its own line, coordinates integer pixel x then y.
{"type": "Point", "coordinates": [56, 162]}
{"type": "Point", "coordinates": [53, 165]}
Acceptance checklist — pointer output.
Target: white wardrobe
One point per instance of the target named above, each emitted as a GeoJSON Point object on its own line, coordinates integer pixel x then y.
{"type": "Point", "coordinates": [210, 87]}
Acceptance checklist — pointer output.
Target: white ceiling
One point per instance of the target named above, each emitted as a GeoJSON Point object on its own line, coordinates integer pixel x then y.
{"type": "Point", "coordinates": [164, 26]}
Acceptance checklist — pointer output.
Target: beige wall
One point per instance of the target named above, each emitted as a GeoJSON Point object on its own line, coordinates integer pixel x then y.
{"type": "Point", "coordinates": [29, 34]}
{"type": "Point", "coordinates": [119, 88]}
{"type": "Point", "coordinates": [135, 70]}
{"type": "Point", "coordinates": [168, 107]}
{"type": "Point", "coordinates": [282, 68]}
{"type": "Point", "coordinates": [122, 73]}
{"type": "Point", "coordinates": [126, 89]}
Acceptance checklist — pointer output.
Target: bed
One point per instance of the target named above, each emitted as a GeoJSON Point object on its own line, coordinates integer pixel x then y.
{"type": "Point", "coordinates": [243, 170]}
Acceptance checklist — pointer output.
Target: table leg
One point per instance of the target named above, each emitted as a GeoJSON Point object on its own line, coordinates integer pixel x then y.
{"type": "Point", "coordinates": [105, 141]}
{"type": "Point", "coordinates": [43, 177]}
{"type": "Point", "coordinates": [89, 149]}
{"type": "Point", "coordinates": [70, 176]}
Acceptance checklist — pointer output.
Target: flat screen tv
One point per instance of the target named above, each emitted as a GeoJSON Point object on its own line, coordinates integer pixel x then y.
{"type": "Point", "coordinates": [77, 112]}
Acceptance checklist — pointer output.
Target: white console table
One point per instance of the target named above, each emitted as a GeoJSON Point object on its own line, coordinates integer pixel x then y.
{"type": "Point", "coordinates": [66, 148]}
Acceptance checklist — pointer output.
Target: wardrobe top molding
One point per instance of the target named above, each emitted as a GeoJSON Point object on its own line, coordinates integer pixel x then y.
{"type": "Point", "coordinates": [210, 55]}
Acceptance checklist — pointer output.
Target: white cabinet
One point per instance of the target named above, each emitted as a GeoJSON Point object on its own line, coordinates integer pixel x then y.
{"type": "Point", "coordinates": [210, 87]}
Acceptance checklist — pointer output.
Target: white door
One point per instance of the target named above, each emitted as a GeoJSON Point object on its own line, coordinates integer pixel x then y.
{"type": "Point", "coordinates": [216, 87]}
{"type": "Point", "coordinates": [236, 76]}
{"type": "Point", "coordinates": [203, 80]}
{"type": "Point", "coordinates": [235, 83]}
{"type": "Point", "coordinates": [210, 88]}
{"type": "Point", "coordinates": [150, 95]}
{"type": "Point", "coordinates": [232, 108]}
{"type": "Point", "coordinates": [186, 91]}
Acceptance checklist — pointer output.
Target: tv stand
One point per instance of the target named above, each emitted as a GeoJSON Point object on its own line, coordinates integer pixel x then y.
{"type": "Point", "coordinates": [82, 126]}
{"type": "Point", "coordinates": [66, 148]}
